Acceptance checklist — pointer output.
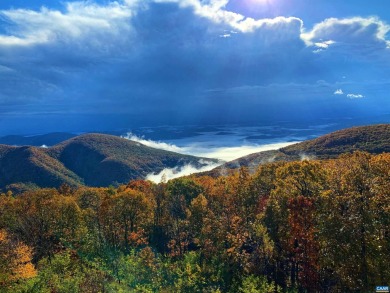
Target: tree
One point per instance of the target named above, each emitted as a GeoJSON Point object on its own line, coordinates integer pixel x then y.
{"type": "Point", "coordinates": [355, 221]}
{"type": "Point", "coordinates": [255, 284]}
{"type": "Point", "coordinates": [15, 260]}
{"type": "Point", "coordinates": [125, 217]}
{"type": "Point", "coordinates": [180, 193]}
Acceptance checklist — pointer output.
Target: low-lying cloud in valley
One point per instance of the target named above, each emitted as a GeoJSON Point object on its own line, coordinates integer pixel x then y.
{"type": "Point", "coordinates": [153, 144]}
{"type": "Point", "coordinates": [176, 172]}
{"type": "Point", "coordinates": [212, 149]}
{"type": "Point", "coordinates": [205, 146]}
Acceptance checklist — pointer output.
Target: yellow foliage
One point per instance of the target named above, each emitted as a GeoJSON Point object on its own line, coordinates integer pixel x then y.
{"type": "Point", "coordinates": [15, 260]}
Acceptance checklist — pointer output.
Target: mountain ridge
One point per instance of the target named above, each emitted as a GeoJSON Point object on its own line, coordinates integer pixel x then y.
{"type": "Point", "coordinates": [101, 160]}
{"type": "Point", "coordinates": [88, 159]}
{"type": "Point", "coordinates": [372, 138]}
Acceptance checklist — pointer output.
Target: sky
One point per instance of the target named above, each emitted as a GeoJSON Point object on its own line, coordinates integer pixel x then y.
{"type": "Point", "coordinates": [103, 65]}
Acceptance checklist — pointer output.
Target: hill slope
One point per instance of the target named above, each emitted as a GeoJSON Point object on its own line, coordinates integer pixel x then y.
{"type": "Point", "coordinates": [90, 159]}
{"type": "Point", "coordinates": [373, 139]}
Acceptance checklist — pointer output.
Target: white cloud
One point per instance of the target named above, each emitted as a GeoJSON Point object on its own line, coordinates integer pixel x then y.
{"type": "Point", "coordinates": [225, 36]}
{"type": "Point", "coordinates": [321, 46]}
{"type": "Point", "coordinates": [93, 29]}
{"type": "Point", "coordinates": [355, 30]}
{"type": "Point", "coordinates": [324, 45]}
{"type": "Point", "coordinates": [224, 153]}
{"type": "Point", "coordinates": [176, 172]}
{"type": "Point", "coordinates": [355, 96]}
{"type": "Point", "coordinates": [324, 34]}
{"type": "Point", "coordinates": [232, 153]}
{"type": "Point", "coordinates": [94, 23]}
{"type": "Point", "coordinates": [84, 18]}
{"type": "Point", "coordinates": [338, 92]}
{"type": "Point", "coordinates": [78, 21]}
{"type": "Point", "coordinates": [215, 11]}
{"type": "Point", "coordinates": [153, 144]}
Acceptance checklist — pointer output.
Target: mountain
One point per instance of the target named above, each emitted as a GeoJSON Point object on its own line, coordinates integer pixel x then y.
{"type": "Point", "coordinates": [102, 160]}
{"type": "Point", "coordinates": [90, 159]}
{"type": "Point", "coordinates": [373, 139]}
{"type": "Point", "coordinates": [48, 139]}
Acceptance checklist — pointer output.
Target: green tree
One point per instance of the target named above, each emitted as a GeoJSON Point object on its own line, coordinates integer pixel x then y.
{"type": "Point", "coordinates": [256, 284]}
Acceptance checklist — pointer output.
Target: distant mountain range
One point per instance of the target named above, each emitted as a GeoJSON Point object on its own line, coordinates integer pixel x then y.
{"type": "Point", "coordinates": [373, 139]}
{"type": "Point", "coordinates": [48, 139]}
{"type": "Point", "coordinates": [102, 160]}
{"type": "Point", "coordinates": [89, 159]}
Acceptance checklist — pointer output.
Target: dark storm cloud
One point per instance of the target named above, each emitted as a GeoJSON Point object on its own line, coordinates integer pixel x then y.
{"type": "Point", "coordinates": [152, 62]}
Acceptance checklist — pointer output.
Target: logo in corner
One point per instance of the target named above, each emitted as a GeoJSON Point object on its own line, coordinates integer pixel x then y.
{"type": "Point", "coordinates": [383, 289]}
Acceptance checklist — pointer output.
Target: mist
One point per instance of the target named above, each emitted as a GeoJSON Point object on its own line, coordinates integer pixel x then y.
{"type": "Point", "coordinates": [223, 148]}
{"type": "Point", "coordinates": [153, 144]}
{"type": "Point", "coordinates": [176, 172]}
{"type": "Point", "coordinates": [210, 147]}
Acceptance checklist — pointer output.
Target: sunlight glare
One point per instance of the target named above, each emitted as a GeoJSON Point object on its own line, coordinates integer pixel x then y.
{"type": "Point", "coordinates": [260, 1]}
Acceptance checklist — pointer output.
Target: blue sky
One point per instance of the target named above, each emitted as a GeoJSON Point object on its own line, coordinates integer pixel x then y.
{"type": "Point", "coordinates": [99, 65]}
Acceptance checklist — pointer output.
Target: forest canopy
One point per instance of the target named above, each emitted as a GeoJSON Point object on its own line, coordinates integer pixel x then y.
{"type": "Point", "coordinates": [309, 226]}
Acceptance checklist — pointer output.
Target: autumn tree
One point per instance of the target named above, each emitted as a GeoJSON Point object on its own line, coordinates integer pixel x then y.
{"type": "Point", "coordinates": [15, 260]}
{"type": "Point", "coordinates": [180, 193]}
{"type": "Point", "coordinates": [125, 217]}
{"type": "Point", "coordinates": [355, 219]}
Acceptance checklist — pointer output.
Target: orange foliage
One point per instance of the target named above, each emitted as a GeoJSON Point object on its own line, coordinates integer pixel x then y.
{"type": "Point", "coordinates": [15, 260]}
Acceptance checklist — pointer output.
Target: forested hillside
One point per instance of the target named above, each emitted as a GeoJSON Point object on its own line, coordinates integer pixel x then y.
{"type": "Point", "coordinates": [309, 226]}
{"type": "Point", "coordinates": [89, 159]}
{"type": "Point", "coordinates": [374, 139]}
